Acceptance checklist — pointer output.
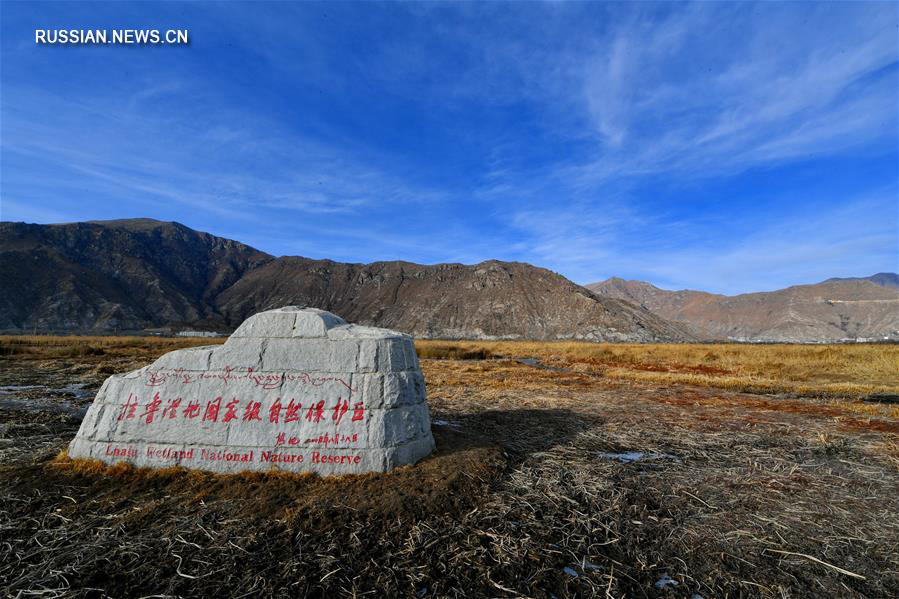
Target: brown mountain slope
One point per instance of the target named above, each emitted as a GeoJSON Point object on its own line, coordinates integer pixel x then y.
{"type": "Point", "coordinates": [139, 274]}
{"type": "Point", "coordinates": [111, 275]}
{"type": "Point", "coordinates": [488, 300]}
{"type": "Point", "coordinates": [829, 311]}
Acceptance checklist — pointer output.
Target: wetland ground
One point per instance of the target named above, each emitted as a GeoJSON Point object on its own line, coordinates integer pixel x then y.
{"type": "Point", "coordinates": [562, 470]}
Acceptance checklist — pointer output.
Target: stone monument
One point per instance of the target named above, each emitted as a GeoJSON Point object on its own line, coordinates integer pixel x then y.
{"type": "Point", "coordinates": [295, 389]}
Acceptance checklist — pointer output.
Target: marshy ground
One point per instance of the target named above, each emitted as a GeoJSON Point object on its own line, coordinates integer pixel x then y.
{"type": "Point", "coordinates": [563, 469]}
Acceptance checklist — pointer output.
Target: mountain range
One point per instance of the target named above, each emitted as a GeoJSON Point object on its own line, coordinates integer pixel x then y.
{"type": "Point", "coordinates": [143, 274]}
{"type": "Point", "coordinates": [148, 275]}
{"type": "Point", "coordinates": [833, 310]}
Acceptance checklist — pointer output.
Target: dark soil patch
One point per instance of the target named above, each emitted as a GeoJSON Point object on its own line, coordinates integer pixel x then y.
{"type": "Point", "coordinates": [888, 398]}
{"type": "Point", "coordinates": [845, 420]}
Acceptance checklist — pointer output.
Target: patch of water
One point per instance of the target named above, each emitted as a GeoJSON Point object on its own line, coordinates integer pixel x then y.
{"type": "Point", "coordinates": [15, 389]}
{"type": "Point", "coordinates": [628, 457]}
{"type": "Point", "coordinates": [535, 363]}
{"type": "Point", "coordinates": [43, 405]}
{"type": "Point", "coordinates": [77, 389]}
{"type": "Point", "coordinates": [665, 581]}
{"type": "Point", "coordinates": [37, 398]}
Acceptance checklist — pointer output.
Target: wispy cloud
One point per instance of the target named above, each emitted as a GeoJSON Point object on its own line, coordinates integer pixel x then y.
{"type": "Point", "coordinates": [207, 168]}
{"type": "Point", "coordinates": [716, 87]}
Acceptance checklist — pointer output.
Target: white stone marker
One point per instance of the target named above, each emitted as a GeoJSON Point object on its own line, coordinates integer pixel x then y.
{"type": "Point", "coordinates": [292, 389]}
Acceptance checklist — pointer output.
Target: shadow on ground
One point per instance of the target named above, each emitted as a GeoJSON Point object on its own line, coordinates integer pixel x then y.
{"type": "Point", "coordinates": [519, 432]}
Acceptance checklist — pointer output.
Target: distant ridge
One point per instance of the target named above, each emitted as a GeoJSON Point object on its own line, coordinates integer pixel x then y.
{"type": "Point", "coordinates": [884, 279]}
{"type": "Point", "coordinates": [837, 309]}
{"type": "Point", "coordinates": [141, 274]}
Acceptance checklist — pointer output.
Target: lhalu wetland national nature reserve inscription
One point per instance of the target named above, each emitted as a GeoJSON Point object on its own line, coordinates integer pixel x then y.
{"type": "Point", "coordinates": [292, 389]}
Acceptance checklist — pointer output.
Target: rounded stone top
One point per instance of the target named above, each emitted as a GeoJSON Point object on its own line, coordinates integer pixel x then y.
{"type": "Point", "coordinates": [296, 338]}
{"type": "Point", "coordinates": [305, 323]}
{"type": "Point", "coordinates": [289, 321]}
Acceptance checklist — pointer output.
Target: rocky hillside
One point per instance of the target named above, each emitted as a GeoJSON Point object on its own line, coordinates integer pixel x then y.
{"type": "Point", "coordinates": [884, 279]}
{"type": "Point", "coordinates": [115, 275]}
{"type": "Point", "coordinates": [143, 274]}
{"type": "Point", "coordinates": [488, 300]}
{"type": "Point", "coordinates": [833, 310]}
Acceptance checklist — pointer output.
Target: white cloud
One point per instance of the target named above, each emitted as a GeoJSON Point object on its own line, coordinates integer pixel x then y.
{"type": "Point", "coordinates": [707, 91]}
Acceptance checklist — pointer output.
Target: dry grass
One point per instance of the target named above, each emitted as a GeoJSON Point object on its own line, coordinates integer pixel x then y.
{"type": "Point", "coordinates": [735, 495]}
{"type": "Point", "coordinates": [812, 370]}
{"type": "Point", "coordinates": [74, 346]}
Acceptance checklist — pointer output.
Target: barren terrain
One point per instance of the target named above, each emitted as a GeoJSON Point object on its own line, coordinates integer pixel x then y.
{"type": "Point", "coordinates": [562, 470]}
{"type": "Point", "coordinates": [831, 310]}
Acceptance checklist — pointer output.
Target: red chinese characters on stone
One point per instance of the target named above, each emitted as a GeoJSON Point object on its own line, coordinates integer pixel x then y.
{"type": "Point", "coordinates": [252, 411]}
{"type": "Point", "coordinates": [192, 410]}
{"type": "Point", "coordinates": [212, 409]}
{"type": "Point", "coordinates": [316, 412]}
{"type": "Point", "coordinates": [128, 408]}
{"type": "Point", "coordinates": [157, 409]}
{"type": "Point", "coordinates": [291, 413]}
{"type": "Point", "coordinates": [336, 438]}
{"type": "Point", "coordinates": [171, 410]}
{"type": "Point", "coordinates": [340, 409]}
{"type": "Point", "coordinates": [274, 412]}
{"type": "Point", "coordinates": [231, 410]}
{"type": "Point", "coordinates": [283, 440]}
{"type": "Point", "coordinates": [152, 408]}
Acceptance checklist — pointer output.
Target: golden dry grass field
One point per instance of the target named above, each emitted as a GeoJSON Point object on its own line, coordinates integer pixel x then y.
{"type": "Point", "coordinates": [819, 370]}
{"type": "Point", "coordinates": [846, 370]}
{"type": "Point", "coordinates": [562, 470]}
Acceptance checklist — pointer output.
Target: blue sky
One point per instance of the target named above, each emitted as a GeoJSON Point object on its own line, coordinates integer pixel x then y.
{"type": "Point", "coordinates": [718, 146]}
